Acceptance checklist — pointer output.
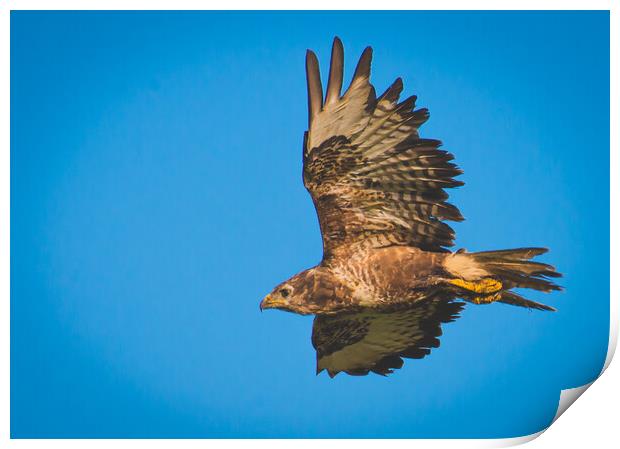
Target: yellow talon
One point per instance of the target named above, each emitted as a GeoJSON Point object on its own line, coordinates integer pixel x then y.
{"type": "Point", "coordinates": [484, 286]}
{"type": "Point", "coordinates": [487, 299]}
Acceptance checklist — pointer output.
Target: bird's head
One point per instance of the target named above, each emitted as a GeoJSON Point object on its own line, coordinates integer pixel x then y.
{"type": "Point", "coordinates": [293, 295]}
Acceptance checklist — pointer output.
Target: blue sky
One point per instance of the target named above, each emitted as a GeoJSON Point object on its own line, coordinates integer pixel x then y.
{"type": "Point", "coordinates": [156, 197]}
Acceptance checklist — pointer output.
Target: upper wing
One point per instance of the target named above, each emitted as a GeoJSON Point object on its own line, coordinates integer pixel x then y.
{"type": "Point", "coordinates": [373, 180]}
{"type": "Point", "coordinates": [358, 343]}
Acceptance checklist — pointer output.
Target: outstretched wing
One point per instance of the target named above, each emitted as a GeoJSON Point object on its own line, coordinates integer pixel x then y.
{"type": "Point", "coordinates": [375, 341]}
{"type": "Point", "coordinates": [373, 180]}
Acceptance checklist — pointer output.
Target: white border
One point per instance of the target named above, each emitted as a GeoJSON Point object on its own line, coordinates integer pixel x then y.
{"type": "Point", "coordinates": [599, 406]}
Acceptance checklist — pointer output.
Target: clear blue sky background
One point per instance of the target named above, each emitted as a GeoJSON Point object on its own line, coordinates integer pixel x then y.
{"type": "Point", "coordinates": [156, 197]}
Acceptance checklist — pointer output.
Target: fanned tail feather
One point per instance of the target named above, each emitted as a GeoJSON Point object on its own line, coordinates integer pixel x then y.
{"type": "Point", "coordinates": [517, 300]}
{"type": "Point", "coordinates": [514, 269]}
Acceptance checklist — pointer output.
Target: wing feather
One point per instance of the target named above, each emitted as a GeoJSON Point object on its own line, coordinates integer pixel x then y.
{"type": "Point", "coordinates": [373, 180]}
{"type": "Point", "coordinates": [336, 69]}
{"type": "Point", "coordinates": [315, 89]}
{"type": "Point", "coordinates": [376, 341]}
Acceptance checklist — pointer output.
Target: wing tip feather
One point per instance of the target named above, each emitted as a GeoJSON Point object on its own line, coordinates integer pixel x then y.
{"type": "Point", "coordinates": [315, 90]}
{"type": "Point", "coordinates": [336, 70]}
{"type": "Point", "coordinates": [363, 66]}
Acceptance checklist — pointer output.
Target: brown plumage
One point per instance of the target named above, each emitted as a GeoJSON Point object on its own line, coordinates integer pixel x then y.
{"type": "Point", "coordinates": [379, 192]}
{"type": "Point", "coordinates": [378, 340]}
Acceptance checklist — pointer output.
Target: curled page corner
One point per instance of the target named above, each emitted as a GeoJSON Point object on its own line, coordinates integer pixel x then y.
{"type": "Point", "coordinates": [570, 395]}
{"type": "Point", "coordinates": [516, 441]}
{"type": "Point", "coordinates": [567, 397]}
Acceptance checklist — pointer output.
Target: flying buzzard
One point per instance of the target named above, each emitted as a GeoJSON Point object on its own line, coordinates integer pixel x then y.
{"type": "Point", "coordinates": [378, 189]}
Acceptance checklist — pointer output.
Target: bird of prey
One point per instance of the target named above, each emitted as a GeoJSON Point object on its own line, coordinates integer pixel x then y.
{"type": "Point", "coordinates": [379, 192]}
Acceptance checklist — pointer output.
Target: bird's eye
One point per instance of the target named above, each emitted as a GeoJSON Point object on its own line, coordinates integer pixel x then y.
{"type": "Point", "coordinates": [284, 292]}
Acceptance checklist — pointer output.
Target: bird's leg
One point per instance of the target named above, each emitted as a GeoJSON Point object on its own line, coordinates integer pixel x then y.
{"type": "Point", "coordinates": [488, 289]}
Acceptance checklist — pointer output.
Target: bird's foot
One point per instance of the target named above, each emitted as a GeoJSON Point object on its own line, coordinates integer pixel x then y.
{"type": "Point", "coordinates": [487, 290]}
{"type": "Point", "coordinates": [485, 286]}
{"type": "Point", "coordinates": [487, 299]}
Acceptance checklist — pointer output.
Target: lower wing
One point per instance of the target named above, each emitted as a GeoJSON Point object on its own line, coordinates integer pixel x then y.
{"type": "Point", "coordinates": [377, 341]}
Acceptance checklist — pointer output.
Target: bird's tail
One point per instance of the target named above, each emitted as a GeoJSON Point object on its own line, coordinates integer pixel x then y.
{"type": "Point", "coordinates": [500, 271]}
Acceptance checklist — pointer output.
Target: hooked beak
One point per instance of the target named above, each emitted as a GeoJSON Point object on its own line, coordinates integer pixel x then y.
{"type": "Point", "coordinates": [270, 302]}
